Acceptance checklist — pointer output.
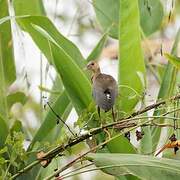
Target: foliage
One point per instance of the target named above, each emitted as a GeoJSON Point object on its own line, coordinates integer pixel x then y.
{"type": "Point", "coordinates": [130, 23]}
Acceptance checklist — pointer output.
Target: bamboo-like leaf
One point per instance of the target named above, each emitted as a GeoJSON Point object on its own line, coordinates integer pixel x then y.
{"type": "Point", "coordinates": [131, 64]}
{"type": "Point", "coordinates": [78, 87]}
{"type": "Point", "coordinates": [35, 25]}
{"type": "Point", "coordinates": [25, 7]}
{"type": "Point", "coordinates": [107, 13]}
{"type": "Point", "coordinates": [66, 56]}
{"type": "Point", "coordinates": [166, 90]}
{"type": "Point", "coordinates": [96, 52]}
{"type": "Point", "coordinates": [7, 66]}
{"type": "Point", "coordinates": [173, 59]}
{"type": "Point", "coordinates": [144, 167]}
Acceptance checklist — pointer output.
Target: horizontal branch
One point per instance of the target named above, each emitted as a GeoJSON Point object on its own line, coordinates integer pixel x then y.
{"type": "Point", "coordinates": [122, 123]}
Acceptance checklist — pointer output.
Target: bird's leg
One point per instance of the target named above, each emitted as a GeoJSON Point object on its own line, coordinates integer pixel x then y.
{"type": "Point", "coordinates": [113, 115]}
{"type": "Point", "coordinates": [99, 112]}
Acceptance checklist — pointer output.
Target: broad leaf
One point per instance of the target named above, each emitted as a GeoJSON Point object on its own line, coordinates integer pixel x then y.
{"type": "Point", "coordinates": [78, 87]}
{"type": "Point", "coordinates": [35, 25]}
{"type": "Point", "coordinates": [107, 13]}
{"type": "Point", "coordinates": [96, 52]}
{"type": "Point", "coordinates": [144, 167]}
{"type": "Point", "coordinates": [25, 7]}
{"type": "Point", "coordinates": [151, 13]}
{"type": "Point", "coordinates": [131, 64]}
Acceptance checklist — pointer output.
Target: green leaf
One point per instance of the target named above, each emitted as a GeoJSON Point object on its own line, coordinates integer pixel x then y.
{"type": "Point", "coordinates": [78, 87]}
{"type": "Point", "coordinates": [131, 65]}
{"type": "Point", "coordinates": [18, 97]}
{"type": "Point", "coordinates": [120, 145]}
{"type": "Point", "coordinates": [144, 167]}
{"type": "Point", "coordinates": [127, 72]}
{"type": "Point", "coordinates": [96, 52]}
{"type": "Point", "coordinates": [49, 123]}
{"type": "Point", "coordinates": [25, 7]}
{"type": "Point", "coordinates": [107, 13]}
{"type": "Point", "coordinates": [37, 25]}
{"type": "Point", "coordinates": [17, 127]}
{"type": "Point", "coordinates": [7, 66]}
{"type": "Point", "coordinates": [3, 131]}
{"type": "Point", "coordinates": [146, 142]}
{"type": "Point", "coordinates": [166, 90]}
{"type": "Point", "coordinates": [6, 46]}
{"type": "Point", "coordinates": [173, 59]}
{"type": "Point", "coordinates": [151, 13]}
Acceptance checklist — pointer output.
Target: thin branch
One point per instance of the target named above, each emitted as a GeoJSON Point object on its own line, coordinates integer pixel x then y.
{"type": "Point", "coordinates": [91, 150]}
{"type": "Point", "coordinates": [123, 122]}
{"type": "Point", "coordinates": [59, 118]}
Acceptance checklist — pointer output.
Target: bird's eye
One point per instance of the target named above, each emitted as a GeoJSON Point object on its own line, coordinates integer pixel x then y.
{"type": "Point", "coordinates": [92, 64]}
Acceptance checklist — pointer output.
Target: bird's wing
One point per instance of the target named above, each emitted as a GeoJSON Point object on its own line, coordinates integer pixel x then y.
{"type": "Point", "coordinates": [105, 81]}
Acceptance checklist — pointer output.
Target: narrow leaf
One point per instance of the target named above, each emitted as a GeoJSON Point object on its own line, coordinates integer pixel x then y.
{"type": "Point", "coordinates": [96, 52]}
{"type": "Point", "coordinates": [144, 167]}
{"type": "Point", "coordinates": [7, 66]}
{"type": "Point", "coordinates": [173, 59]}
{"type": "Point", "coordinates": [25, 7]}
{"type": "Point", "coordinates": [78, 87]}
{"type": "Point", "coordinates": [166, 90]}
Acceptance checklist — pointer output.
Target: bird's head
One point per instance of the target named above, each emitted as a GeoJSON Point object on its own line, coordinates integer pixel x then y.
{"type": "Point", "coordinates": [93, 66]}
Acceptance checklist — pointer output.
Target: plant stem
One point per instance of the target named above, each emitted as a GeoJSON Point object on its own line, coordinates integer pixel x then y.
{"type": "Point", "coordinates": [123, 122]}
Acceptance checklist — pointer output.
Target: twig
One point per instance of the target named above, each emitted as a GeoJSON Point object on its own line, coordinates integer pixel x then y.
{"type": "Point", "coordinates": [54, 152]}
{"type": "Point", "coordinates": [59, 118]}
{"type": "Point", "coordinates": [91, 150]}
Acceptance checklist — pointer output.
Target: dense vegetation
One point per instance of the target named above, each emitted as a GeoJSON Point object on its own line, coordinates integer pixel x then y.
{"type": "Point", "coordinates": [124, 149]}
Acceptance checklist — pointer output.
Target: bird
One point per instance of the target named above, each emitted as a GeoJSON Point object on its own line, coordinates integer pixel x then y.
{"type": "Point", "coordinates": [104, 88]}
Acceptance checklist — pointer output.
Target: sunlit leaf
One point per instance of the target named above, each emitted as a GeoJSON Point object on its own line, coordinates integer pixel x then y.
{"type": "Point", "coordinates": [78, 87]}
{"type": "Point", "coordinates": [131, 64]}
{"type": "Point", "coordinates": [25, 7]}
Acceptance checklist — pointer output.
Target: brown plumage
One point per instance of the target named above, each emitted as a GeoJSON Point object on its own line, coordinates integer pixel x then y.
{"type": "Point", "coordinates": [105, 89]}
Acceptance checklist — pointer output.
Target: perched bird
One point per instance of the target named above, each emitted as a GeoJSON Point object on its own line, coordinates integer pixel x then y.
{"type": "Point", "coordinates": [105, 89]}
